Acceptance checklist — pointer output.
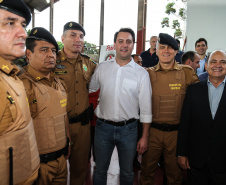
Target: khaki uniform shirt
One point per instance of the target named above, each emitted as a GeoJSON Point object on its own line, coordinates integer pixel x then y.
{"type": "Point", "coordinates": [76, 74]}
{"type": "Point", "coordinates": [168, 91]}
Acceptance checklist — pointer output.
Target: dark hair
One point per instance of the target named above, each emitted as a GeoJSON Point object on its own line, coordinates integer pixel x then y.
{"type": "Point", "coordinates": [30, 44]}
{"type": "Point", "coordinates": [178, 41]}
{"type": "Point", "coordinates": [207, 58]}
{"type": "Point", "coordinates": [200, 40]}
{"type": "Point", "coordinates": [129, 30]}
{"type": "Point", "coordinates": [133, 55]}
{"type": "Point", "coordinates": [188, 55]}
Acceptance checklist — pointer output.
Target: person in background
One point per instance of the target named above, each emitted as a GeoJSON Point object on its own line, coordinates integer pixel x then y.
{"type": "Point", "coordinates": [125, 96]}
{"type": "Point", "coordinates": [191, 59]}
{"type": "Point", "coordinates": [204, 76]}
{"type": "Point", "coordinates": [179, 53]}
{"type": "Point", "coordinates": [201, 48]}
{"type": "Point", "coordinates": [201, 135]}
{"type": "Point", "coordinates": [149, 57]}
{"type": "Point", "coordinates": [93, 101]}
{"type": "Point", "coordinates": [137, 59]}
{"type": "Point", "coordinates": [19, 157]}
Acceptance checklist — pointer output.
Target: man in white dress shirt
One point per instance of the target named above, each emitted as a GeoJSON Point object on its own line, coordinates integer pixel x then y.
{"type": "Point", "coordinates": [125, 97]}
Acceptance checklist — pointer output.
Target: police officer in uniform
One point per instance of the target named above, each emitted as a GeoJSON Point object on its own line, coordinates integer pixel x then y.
{"type": "Point", "coordinates": [76, 70]}
{"type": "Point", "coordinates": [169, 82]}
{"type": "Point", "coordinates": [19, 158]}
{"type": "Point", "coordinates": [47, 101]}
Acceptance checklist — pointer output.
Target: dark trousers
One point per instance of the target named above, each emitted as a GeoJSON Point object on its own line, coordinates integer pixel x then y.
{"type": "Point", "coordinates": [206, 177]}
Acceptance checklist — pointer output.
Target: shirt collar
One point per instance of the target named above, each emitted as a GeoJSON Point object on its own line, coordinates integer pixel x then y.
{"type": "Point", "coordinates": [209, 82]}
{"type": "Point", "coordinates": [175, 66]}
{"type": "Point", "coordinates": [8, 67]}
{"type": "Point", "coordinates": [131, 63]}
{"type": "Point", "coordinates": [63, 57]}
{"type": "Point", "coordinates": [37, 75]}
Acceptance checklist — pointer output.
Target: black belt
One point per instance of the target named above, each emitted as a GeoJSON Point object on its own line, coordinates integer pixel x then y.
{"type": "Point", "coordinates": [120, 123]}
{"type": "Point", "coordinates": [164, 127]}
{"type": "Point", "coordinates": [45, 158]}
{"type": "Point", "coordinates": [84, 117]}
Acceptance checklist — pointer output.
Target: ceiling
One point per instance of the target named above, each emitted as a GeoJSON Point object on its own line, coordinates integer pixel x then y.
{"type": "Point", "coordinates": [39, 5]}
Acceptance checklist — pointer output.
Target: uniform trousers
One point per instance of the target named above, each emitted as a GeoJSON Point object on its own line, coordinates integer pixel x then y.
{"type": "Point", "coordinates": [80, 149]}
{"type": "Point", "coordinates": [30, 180]}
{"type": "Point", "coordinates": [161, 142]}
{"type": "Point", "coordinates": [53, 172]}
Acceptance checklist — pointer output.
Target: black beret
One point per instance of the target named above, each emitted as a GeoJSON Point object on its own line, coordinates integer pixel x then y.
{"type": "Point", "coordinates": [39, 33]}
{"type": "Point", "coordinates": [166, 39]}
{"type": "Point", "coordinates": [17, 7]}
{"type": "Point", "coordinates": [74, 26]}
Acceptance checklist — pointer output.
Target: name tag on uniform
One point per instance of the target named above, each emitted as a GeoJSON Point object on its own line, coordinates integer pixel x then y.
{"type": "Point", "coordinates": [59, 66]}
{"type": "Point", "coordinates": [60, 72]}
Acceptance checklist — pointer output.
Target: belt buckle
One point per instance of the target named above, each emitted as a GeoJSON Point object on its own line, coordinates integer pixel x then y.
{"type": "Point", "coordinates": [46, 158]}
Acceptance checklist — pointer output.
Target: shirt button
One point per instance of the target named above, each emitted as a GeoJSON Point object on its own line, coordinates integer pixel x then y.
{"type": "Point", "coordinates": [76, 103]}
{"type": "Point", "coordinates": [76, 81]}
{"type": "Point", "coordinates": [76, 91]}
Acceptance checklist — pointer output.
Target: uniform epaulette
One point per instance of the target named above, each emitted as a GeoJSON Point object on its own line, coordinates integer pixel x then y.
{"type": "Point", "coordinates": [151, 68]}
{"type": "Point", "coordinates": [84, 55]}
{"type": "Point", "coordinates": [93, 61]}
{"type": "Point", "coordinates": [185, 66]}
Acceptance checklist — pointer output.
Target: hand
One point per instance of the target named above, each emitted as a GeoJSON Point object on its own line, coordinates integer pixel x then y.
{"type": "Point", "coordinates": [142, 145]}
{"type": "Point", "coordinates": [183, 162]}
{"type": "Point", "coordinates": [69, 151]}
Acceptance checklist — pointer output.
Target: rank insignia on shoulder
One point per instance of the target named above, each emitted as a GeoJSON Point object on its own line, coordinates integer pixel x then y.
{"type": "Point", "coordinates": [58, 61]}
{"type": "Point", "coordinates": [85, 67]}
{"type": "Point", "coordinates": [93, 61]}
{"type": "Point", "coordinates": [5, 67]}
{"type": "Point", "coordinates": [84, 55]}
{"type": "Point", "coordinates": [60, 66]}
{"type": "Point", "coordinates": [60, 72]}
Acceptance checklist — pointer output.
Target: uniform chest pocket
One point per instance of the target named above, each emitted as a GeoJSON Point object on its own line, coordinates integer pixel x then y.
{"type": "Point", "coordinates": [83, 82]}
{"type": "Point", "coordinates": [87, 75]}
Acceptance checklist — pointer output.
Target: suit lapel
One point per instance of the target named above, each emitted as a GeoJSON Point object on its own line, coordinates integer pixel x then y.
{"type": "Point", "coordinates": [206, 102]}
{"type": "Point", "coordinates": [222, 105]}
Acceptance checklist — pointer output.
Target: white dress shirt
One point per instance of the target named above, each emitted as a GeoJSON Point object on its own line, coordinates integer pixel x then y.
{"type": "Point", "coordinates": [125, 92]}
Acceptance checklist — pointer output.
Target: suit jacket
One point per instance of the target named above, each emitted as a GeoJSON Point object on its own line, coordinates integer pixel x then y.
{"type": "Point", "coordinates": [201, 138]}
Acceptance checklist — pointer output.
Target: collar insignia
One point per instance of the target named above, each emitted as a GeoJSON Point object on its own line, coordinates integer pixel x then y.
{"type": "Point", "coordinates": [5, 67]}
